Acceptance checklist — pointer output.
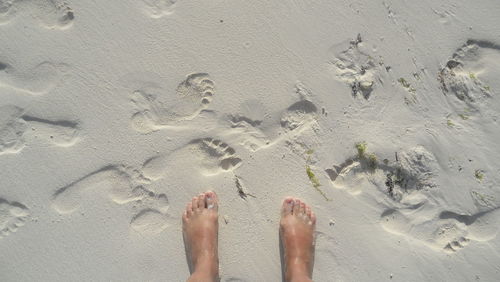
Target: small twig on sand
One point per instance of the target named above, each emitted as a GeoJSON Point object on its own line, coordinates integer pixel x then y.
{"type": "Point", "coordinates": [239, 187]}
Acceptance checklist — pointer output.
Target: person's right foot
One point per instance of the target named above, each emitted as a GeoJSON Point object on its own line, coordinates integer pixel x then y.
{"type": "Point", "coordinates": [297, 227]}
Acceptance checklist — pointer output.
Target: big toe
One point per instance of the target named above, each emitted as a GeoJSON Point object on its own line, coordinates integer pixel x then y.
{"type": "Point", "coordinates": [211, 200]}
{"type": "Point", "coordinates": [313, 218]}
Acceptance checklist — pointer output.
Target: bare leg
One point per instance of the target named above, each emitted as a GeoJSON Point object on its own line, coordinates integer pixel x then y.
{"type": "Point", "coordinates": [200, 231]}
{"type": "Point", "coordinates": [297, 236]}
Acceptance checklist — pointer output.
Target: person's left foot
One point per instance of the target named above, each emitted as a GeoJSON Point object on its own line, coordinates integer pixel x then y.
{"type": "Point", "coordinates": [200, 231]}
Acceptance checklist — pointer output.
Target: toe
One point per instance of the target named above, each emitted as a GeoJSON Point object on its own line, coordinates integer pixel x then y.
{"type": "Point", "coordinates": [286, 208]}
{"type": "Point", "coordinates": [296, 207]}
{"type": "Point", "coordinates": [230, 151]}
{"type": "Point", "coordinates": [313, 218]}
{"type": "Point", "coordinates": [184, 216]}
{"type": "Point", "coordinates": [308, 212]}
{"type": "Point", "coordinates": [302, 209]}
{"type": "Point", "coordinates": [229, 163]}
{"type": "Point", "coordinates": [211, 200]}
{"type": "Point", "coordinates": [201, 201]}
{"type": "Point", "coordinates": [223, 146]}
{"type": "Point", "coordinates": [189, 209]}
{"type": "Point", "coordinates": [194, 202]}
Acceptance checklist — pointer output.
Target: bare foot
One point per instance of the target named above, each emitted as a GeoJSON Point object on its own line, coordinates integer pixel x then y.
{"type": "Point", "coordinates": [200, 232]}
{"type": "Point", "coordinates": [297, 236]}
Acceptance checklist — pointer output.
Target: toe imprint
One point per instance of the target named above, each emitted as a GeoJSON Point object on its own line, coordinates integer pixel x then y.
{"type": "Point", "coordinates": [12, 216]}
{"type": "Point", "coordinates": [159, 8]}
{"type": "Point", "coordinates": [215, 156]}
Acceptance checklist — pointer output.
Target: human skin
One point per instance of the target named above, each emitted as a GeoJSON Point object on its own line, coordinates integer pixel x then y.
{"type": "Point", "coordinates": [200, 232]}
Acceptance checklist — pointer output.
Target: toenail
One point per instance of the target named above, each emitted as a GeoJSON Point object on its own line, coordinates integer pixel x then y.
{"type": "Point", "coordinates": [211, 206]}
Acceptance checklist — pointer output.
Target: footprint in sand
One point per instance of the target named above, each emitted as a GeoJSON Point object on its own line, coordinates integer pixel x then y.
{"type": "Point", "coordinates": [119, 185]}
{"type": "Point", "coordinates": [248, 127]}
{"type": "Point", "coordinates": [36, 80]}
{"type": "Point", "coordinates": [159, 8]}
{"type": "Point", "coordinates": [248, 132]}
{"type": "Point", "coordinates": [12, 216]}
{"type": "Point", "coordinates": [252, 133]}
{"type": "Point", "coordinates": [298, 116]}
{"type": "Point", "coordinates": [411, 173]}
{"type": "Point", "coordinates": [51, 13]}
{"type": "Point", "coordinates": [208, 156]}
{"type": "Point", "coordinates": [16, 129]}
{"type": "Point", "coordinates": [411, 205]}
{"type": "Point", "coordinates": [150, 221]}
{"type": "Point", "coordinates": [463, 72]}
{"type": "Point", "coordinates": [423, 225]}
{"type": "Point", "coordinates": [7, 11]}
{"type": "Point", "coordinates": [356, 68]}
{"type": "Point", "coordinates": [111, 181]}
{"type": "Point", "coordinates": [155, 112]}
{"type": "Point", "coordinates": [448, 231]}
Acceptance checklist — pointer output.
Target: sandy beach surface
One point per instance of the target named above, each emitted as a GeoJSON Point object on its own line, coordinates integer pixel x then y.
{"type": "Point", "coordinates": [383, 115]}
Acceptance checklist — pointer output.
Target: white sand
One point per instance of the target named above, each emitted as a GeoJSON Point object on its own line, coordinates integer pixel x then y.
{"type": "Point", "coordinates": [114, 113]}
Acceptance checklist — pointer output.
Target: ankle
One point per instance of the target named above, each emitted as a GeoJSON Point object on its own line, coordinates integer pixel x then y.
{"type": "Point", "coordinates": [297, 271]}
{"type": "Point", "coordinates": [208, 267]}
{"type": "Point", "coordinates": [200, 276]}
{"type": "Point", "coordinates": [298, 277]}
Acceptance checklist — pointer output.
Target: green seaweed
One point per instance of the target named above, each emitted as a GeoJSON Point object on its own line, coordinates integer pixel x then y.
{"type": "Point", "coordinates": [310, 151]}
{"type": "Point", "coordinates": [403, 82]}
{"type": "Point", "coordinates": [372, 161]}
{"type": "Point", "coordinates": [361, 147]}
{"type": "Point", "coordinates": [407, 85]}
{"type": "Point", "coordinates": [315, 182]}
{"type": "Point", "coordinates": [479, 175]}
{"type": "Point", "coordinates": [410, 101]}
